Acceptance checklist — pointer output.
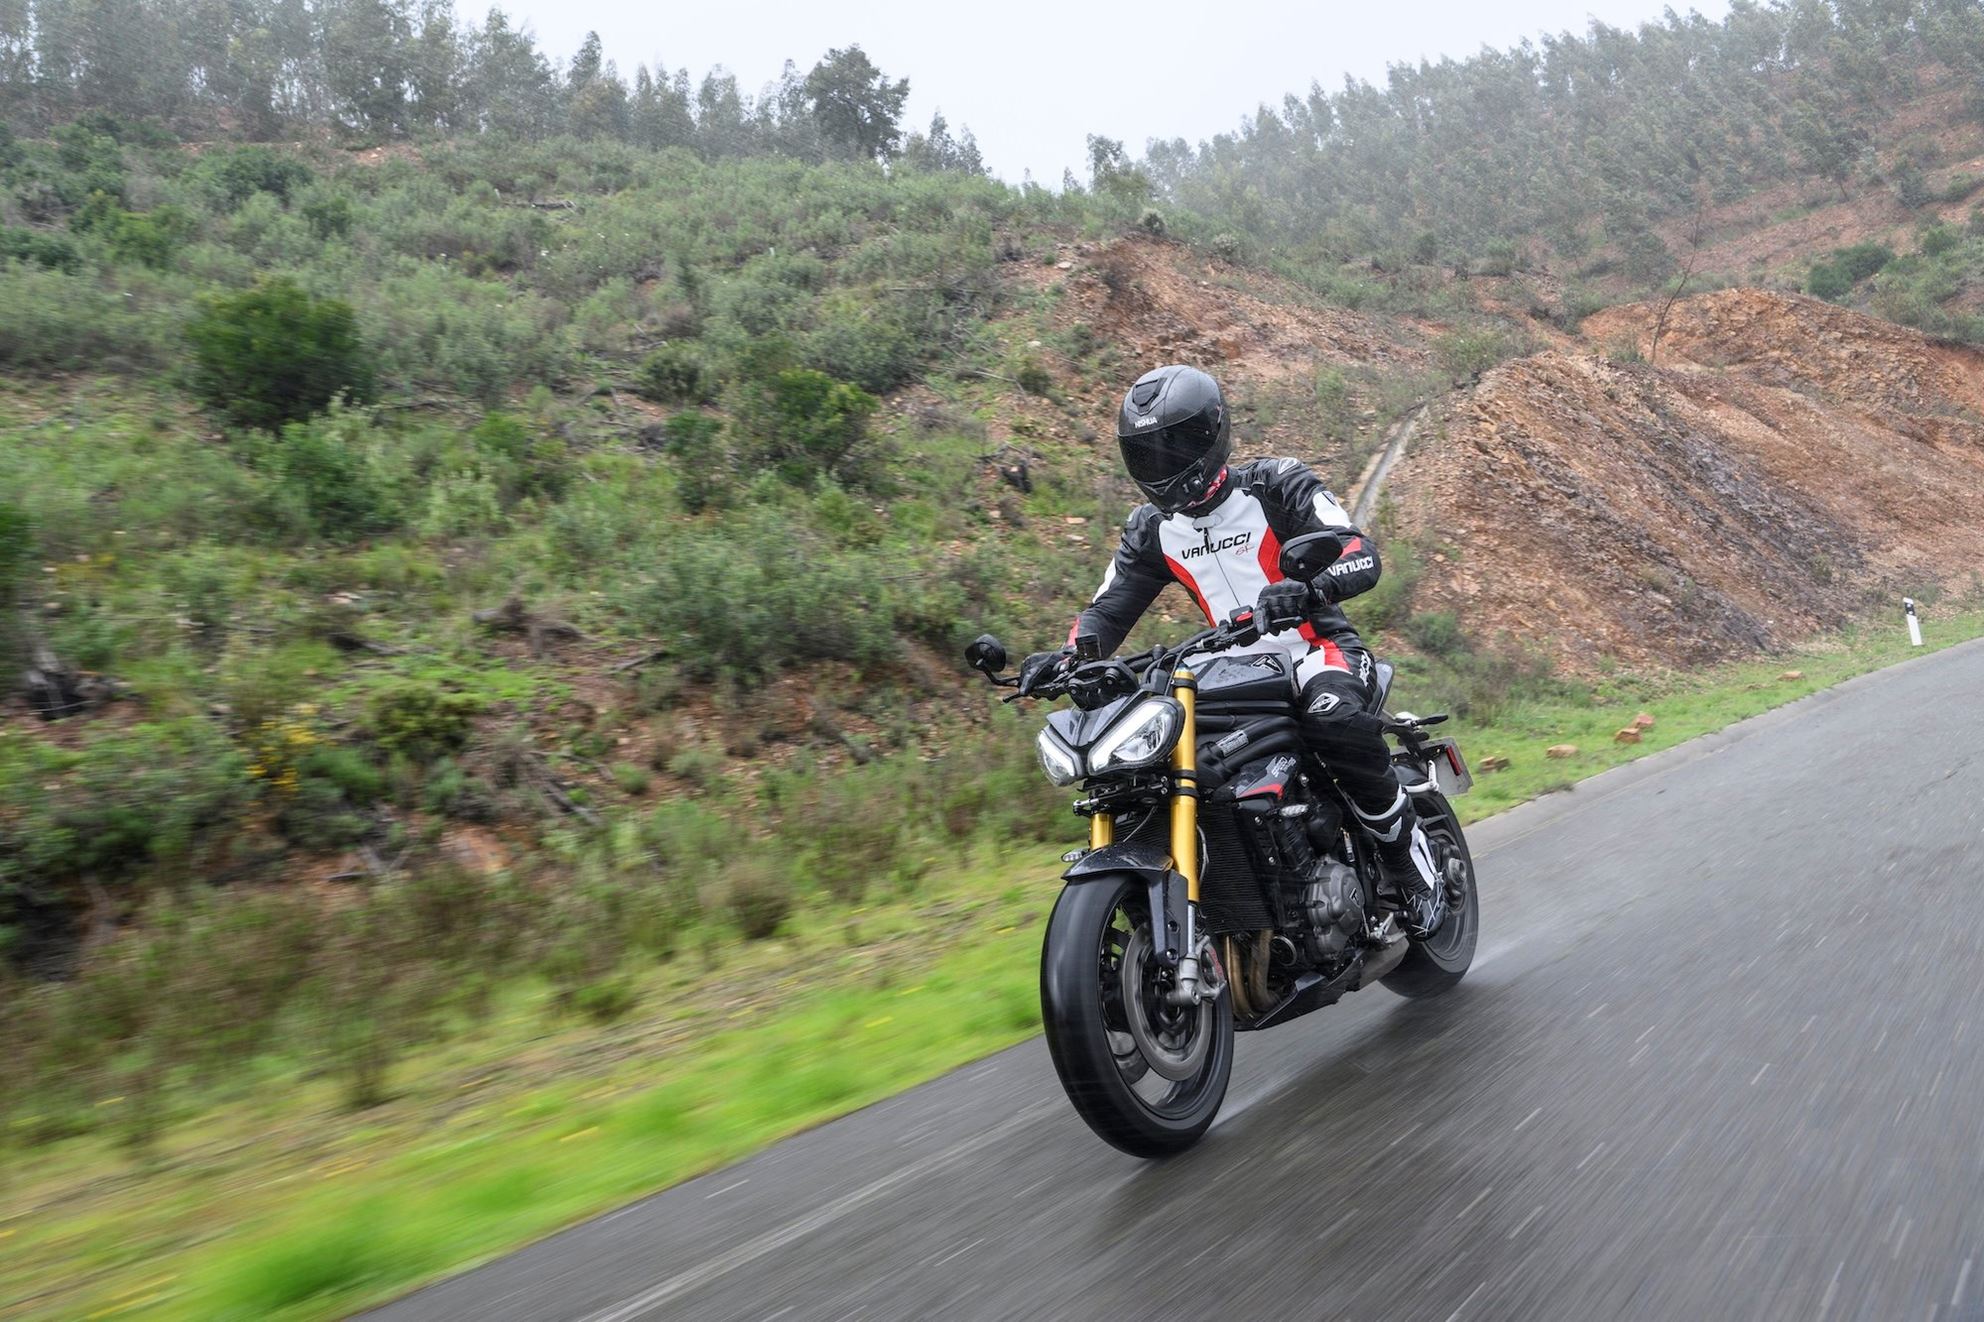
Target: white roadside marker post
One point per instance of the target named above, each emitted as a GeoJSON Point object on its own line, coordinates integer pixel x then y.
{"type": "Point", "coordinates": [1914, 625]}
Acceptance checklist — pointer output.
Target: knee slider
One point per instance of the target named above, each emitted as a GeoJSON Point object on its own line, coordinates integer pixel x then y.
{"type": "Point", "coordinates": [1332, 706]}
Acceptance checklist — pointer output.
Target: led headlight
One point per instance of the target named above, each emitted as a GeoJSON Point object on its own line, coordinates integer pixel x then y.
{"type": "Point", "coordinates": [1143, 736]}
{"type": "Point", "coordinates": [1062, 767]}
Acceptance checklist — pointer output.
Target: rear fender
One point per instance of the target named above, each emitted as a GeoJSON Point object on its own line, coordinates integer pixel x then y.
{"type": "Point", "coordinates": [1168, 895]}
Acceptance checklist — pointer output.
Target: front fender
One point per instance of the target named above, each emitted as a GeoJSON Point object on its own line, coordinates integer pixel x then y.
{"type": "Point", "coordinates": [1168, 892]}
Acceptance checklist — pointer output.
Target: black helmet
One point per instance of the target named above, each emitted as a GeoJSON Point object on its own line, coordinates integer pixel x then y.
{"type": "Point", "coordinates": [1175, 435]}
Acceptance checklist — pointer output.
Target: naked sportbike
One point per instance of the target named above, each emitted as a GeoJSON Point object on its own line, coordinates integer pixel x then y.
{"type": "Point", "coordinates": [1225, 887]}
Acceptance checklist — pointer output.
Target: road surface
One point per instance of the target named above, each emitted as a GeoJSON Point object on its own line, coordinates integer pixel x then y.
{"type": "Point", "coordinates": [1721, 1056]}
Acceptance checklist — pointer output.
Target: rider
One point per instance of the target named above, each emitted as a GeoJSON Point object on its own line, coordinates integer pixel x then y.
{"type": "Point", "coordinates": [1217, 528]}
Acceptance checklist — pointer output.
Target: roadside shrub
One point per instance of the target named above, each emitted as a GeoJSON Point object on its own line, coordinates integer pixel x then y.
{"type": "Point", "coordinates": [324, 482]}
{"type": "Point", "coordinates": [676, 374]}
{"type": "Point", "coordinates": [276, 354]}
{"type": "Point", "coordinates": [757, 896]}
{"type": "Point", "coordinates": [16, 557]}
{"type": "Point", "coordinates": [125, 807]}
{"type": "Point", "coordinates": [420, 718]}
{"type": "Point", "coordinates": [1226, 247]}
{"type": "Point", "coordinates": [58, 321]}
{"type": "Point", "coordinates": [1152, 222]}
{"type": "Point", "coordinates": [745, 600]}
{"type": "Point", "coordinates": [371, 995]}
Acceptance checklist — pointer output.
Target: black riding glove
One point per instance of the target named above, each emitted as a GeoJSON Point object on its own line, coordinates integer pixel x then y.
{"type": "Point", "coordinates": [1284, 604]}
{"type": "Point", "coordinates": [1043, 667]}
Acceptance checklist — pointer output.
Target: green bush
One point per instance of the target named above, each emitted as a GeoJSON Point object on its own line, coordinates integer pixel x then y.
{"type": "Point", "coordinates": [276, 354]}
{"type": "Point", "coordinates": [16, 562]}
{"type": "Point", "coordinates": [745, 600]}
{"type": "Point", "coordinates": [1828, 281]}
{"type": "Point", "coordinates": [692, 436]}
{"type": "Point", "coordinates": [757, 895]}
{"type": "Point", "coordinates": [1862, 260]}
{"type": "Point", "coordinates": [324, 483]}
{"type": "Point", "coordinates": [122, 809]}
{"type": "Point", "coordinates": [148, 238]}
{"type": "Point", "coordinates": [329, 215]}
{"type": "Point", "coordinates": [237, 175]}
{"type": "Point", "coordinates": [1939, 239]}
{"type": "Point", "coordinates": [676, 373]}
{"type": "Point", "coordinates": [1467, 354]}
{"type": "Point", "coordinates": [862, 340]}
{"type": "Point", "coordinates": [50, 251]}
{"type": "Point", "coordinates": [420, 718]}
{"type": "Point", "coordinates": [806, 426]}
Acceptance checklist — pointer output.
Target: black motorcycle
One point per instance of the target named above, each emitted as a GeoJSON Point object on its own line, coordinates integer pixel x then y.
{"type": "Point", "coordinates": [1225, 886]}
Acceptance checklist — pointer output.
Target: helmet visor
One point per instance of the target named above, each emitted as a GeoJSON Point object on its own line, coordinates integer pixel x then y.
{"type": "Point", "coordinates": [1160, 455]}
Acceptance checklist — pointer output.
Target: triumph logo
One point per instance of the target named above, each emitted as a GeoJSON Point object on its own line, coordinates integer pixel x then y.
{"type": "Point", "coordinates": [1212, 547]}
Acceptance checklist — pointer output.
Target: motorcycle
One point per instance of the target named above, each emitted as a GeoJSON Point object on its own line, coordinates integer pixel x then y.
{"type": "Point", "coordinates": [1225, 887]}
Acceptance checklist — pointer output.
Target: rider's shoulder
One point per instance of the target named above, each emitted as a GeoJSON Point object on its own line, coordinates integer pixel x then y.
{"type": "Point", "coordinates": [1143, 520]}
{"type": "Point", "coordinates": [1273, 471]}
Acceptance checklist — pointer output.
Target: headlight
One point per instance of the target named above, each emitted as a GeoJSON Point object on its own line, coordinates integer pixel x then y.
{"type": "Point", "coordinates": [1061, 766]}
{"type": "Point", "coordinates": [1141, 737]}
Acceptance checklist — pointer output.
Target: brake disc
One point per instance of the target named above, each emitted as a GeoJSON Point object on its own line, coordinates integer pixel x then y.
{"type": "Point", "coordinates": [1175, 1050]}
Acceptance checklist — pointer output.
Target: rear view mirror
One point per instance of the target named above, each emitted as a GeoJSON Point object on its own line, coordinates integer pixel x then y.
{"type": "Point", "coordinates": [1307, 556]}
{"type": "Point", "coordinates": [986, 654]}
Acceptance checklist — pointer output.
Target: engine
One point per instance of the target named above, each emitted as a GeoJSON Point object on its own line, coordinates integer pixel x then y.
{"type": "Point", "coordinates": [1333, 910]}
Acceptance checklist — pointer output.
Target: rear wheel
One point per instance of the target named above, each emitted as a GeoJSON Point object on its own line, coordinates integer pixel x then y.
{"type": "Point", "coordinates": [1441, 960]}
{"type": "Point", "coordinates": [1146, 1075]}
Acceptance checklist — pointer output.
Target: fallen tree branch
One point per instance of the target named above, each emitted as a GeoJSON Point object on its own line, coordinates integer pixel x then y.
{"type": "Point", "coordinates": [514, 617]}
{"type": "Point", "coordinates": [645, 658]}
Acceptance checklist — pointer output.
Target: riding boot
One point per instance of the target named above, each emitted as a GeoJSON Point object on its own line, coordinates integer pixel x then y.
{"type": "Point", "coordinates": [1406, 859]}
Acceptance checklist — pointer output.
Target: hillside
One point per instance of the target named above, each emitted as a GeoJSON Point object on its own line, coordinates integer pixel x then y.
{"type": "Point", "coordinates": [1785, 467]}
{"type": "Point", "coordinates": [484, 559]}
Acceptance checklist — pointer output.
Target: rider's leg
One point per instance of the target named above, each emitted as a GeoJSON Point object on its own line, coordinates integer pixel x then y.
{"type": "Point", "coordinates": [1335, 726]}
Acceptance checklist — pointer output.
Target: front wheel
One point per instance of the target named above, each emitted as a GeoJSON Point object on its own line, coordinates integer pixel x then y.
{"type": "Point", "coordinates": [1146, 1075]}
{"type": "Point", "coordinates": [1434, 965]}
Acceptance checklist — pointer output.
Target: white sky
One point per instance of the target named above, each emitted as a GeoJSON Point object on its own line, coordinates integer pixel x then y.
{"type": "Point", "coordinates": [1032, 79]}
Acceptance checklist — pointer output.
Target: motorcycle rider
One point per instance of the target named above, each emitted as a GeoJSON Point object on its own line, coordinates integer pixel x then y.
{"type": "Point", "coordinates": [1217, 528]}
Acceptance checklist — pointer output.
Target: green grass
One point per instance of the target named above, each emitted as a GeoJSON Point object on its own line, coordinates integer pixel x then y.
{"type": "Point", "coordinates": [280, 1205]}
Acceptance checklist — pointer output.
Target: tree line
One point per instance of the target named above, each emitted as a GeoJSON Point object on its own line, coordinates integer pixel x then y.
{"type": "Point", "coordinates": [1578, 141]}
{"type": "Point", "coordinates": [387, 70]}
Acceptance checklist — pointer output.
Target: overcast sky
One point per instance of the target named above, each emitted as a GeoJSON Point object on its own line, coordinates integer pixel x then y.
{"type": "Point", "coordinates": [1032, 79]}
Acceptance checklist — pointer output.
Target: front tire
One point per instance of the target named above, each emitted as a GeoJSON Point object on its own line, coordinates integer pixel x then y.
{"type": "Point", "coordinates": [1150, 1087]}
{"type": "Point", "coordinates": [1436, 964]}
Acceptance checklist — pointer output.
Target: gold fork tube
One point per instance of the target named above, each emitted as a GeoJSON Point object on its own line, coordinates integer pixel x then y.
{"type": "Point", "coordinates": [1185, 799]}
{"type": "Point", "coordinates": [1101, 830]}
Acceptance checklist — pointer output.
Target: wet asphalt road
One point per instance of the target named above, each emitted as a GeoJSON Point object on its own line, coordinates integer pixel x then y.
{"type": "Point", "coordinates": [1721, 1056]}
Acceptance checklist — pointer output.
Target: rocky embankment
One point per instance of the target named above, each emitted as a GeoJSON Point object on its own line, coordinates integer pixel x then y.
{"type": "Point", "coordinates": [1780, 465]}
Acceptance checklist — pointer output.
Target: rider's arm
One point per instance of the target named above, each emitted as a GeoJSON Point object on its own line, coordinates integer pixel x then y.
{"type": "Point", "coordinates": [1134, 578]}
{"type": "Point", "coordinates": [1297, 502]}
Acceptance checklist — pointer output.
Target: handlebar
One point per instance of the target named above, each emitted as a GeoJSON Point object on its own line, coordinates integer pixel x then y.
{"type": "Point", "coordinates": [1237, 632]}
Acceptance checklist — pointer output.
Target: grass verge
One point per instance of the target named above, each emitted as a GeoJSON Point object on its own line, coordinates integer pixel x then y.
{"type": "Point", "coordinates": [277, 1205]}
